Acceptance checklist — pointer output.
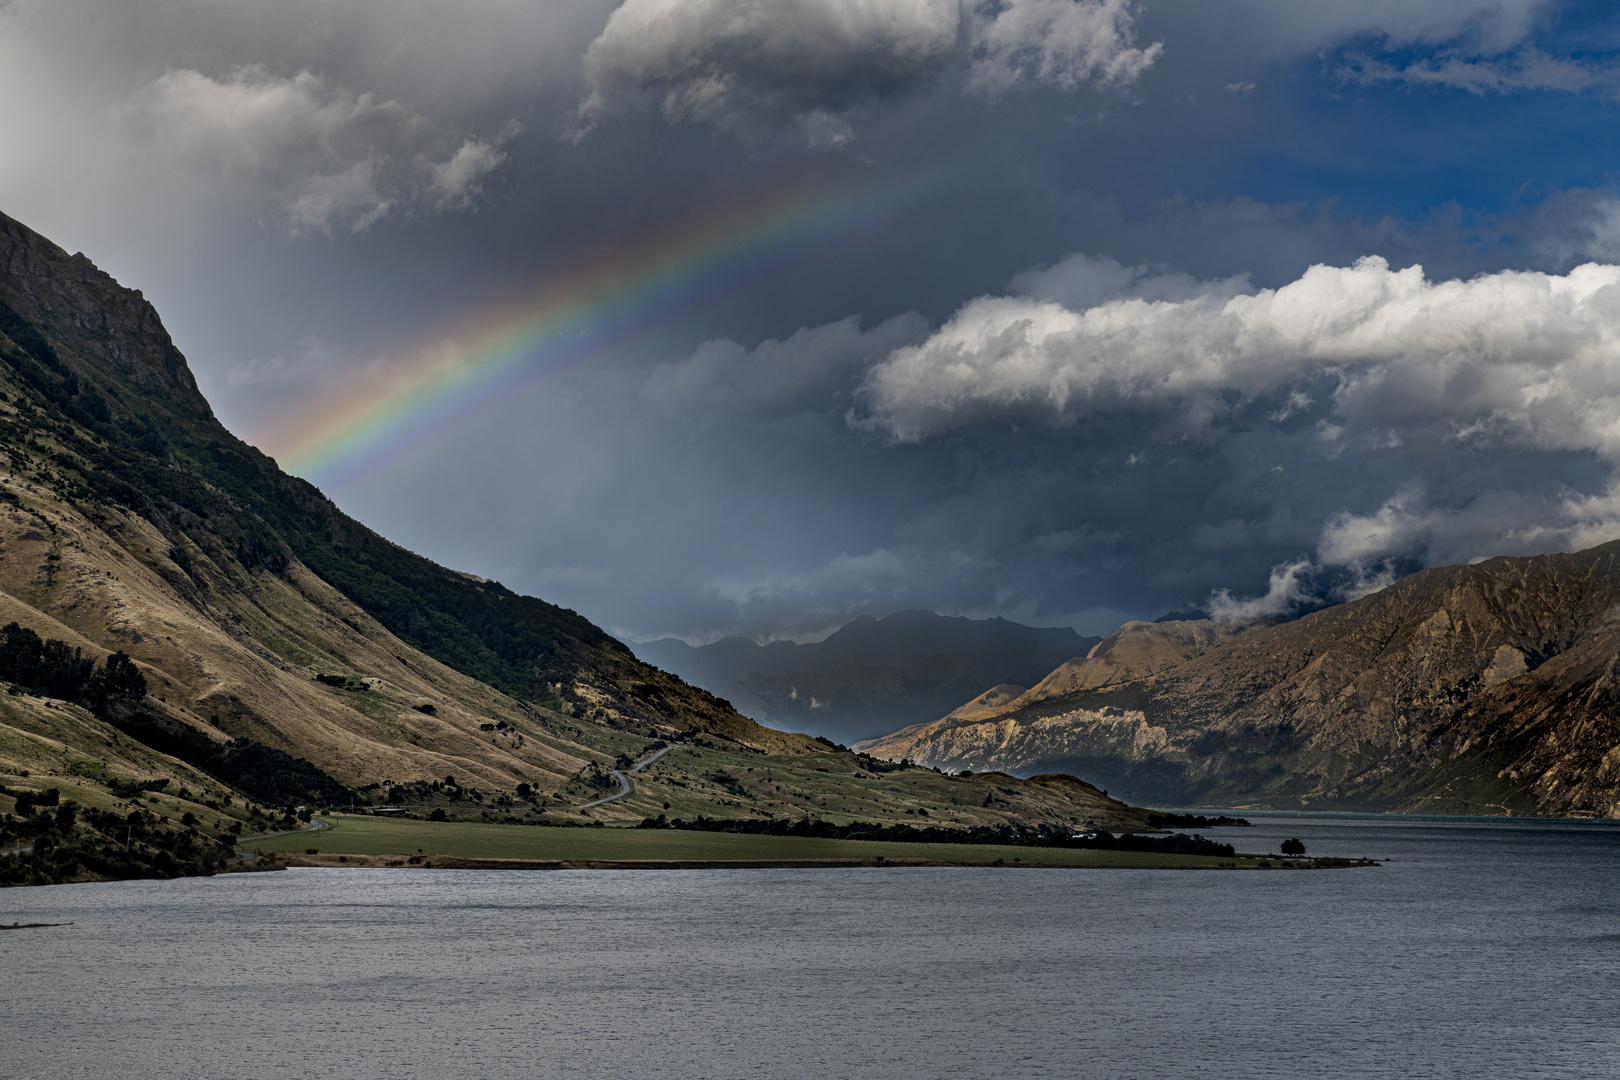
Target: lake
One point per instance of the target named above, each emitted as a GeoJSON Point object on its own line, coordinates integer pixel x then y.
{"type": "Point", "coordinates": [1484, 948]}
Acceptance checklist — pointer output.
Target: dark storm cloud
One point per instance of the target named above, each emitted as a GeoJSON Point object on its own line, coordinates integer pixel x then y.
{"type": "Point", "coordinates": [811, 368]}
{"type": "Point", "coordinates": [1083, 370]}
{"type": "Point", "coordinates": [331, 156]}
{"type": "Point", "coordinates": [813, 62]}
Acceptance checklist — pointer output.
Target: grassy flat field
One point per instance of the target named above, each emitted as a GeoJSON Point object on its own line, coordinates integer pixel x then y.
{"type": "Point", "coordinates": [369, 836]}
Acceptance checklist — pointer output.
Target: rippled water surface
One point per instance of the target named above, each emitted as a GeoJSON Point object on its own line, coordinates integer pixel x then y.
{"type": "Point", "coordinates": [1483, 949]}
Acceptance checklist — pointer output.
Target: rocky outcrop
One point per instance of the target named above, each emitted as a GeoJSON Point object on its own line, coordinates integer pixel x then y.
{"type": "Point", "coordinates": [1484, 688]}
{"type": "Point", "coordinates": [101, 324]}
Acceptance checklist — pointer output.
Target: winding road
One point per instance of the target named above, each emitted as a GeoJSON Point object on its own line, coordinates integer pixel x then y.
{"type": "Point", "coordinates": [625, 787]}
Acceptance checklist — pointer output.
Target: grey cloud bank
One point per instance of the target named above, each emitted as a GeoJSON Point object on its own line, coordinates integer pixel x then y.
{"type": "Point", "coordinates": [333, 157]}
{"type": "Point", "coordinates": [815, 61]}
{"type": "Point", "coordinates": [1248, 304]}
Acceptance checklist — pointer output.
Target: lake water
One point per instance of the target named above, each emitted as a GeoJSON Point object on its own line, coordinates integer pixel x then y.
{"type": "Point", "coordinates": [1482, 949]}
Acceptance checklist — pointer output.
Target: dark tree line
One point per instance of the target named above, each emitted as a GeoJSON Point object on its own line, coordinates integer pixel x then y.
{"type": "Point", "coordinates": [271, 776]}
{"type": "Point", "coordinates": [1008, 835]}
{"type": "Point", "coordinates": [49, 668]}
{"type": "Point", "coordinates": [71, 843]}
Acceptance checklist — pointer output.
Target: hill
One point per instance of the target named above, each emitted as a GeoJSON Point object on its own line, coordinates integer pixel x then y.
{"type": "Point", "coordinates": [290, 654]}
{"type": "Point", "coordinates": [1488, 688]}
{"type": "Point", "coordinates": [871, 675]}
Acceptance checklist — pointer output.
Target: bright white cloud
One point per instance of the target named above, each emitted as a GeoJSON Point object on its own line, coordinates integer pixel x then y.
{"type": "Point", "coordinates": [814, 61]}
{"type": "Point", "coordinates": [1409, 528]}
{"type": "Point", "coordinates": [1359, 541]}
{"type": "Point", "coordinates": [335, 158]}
{"type": "Point", "coordinates": [1509, 359]}
{"type": "Point", "coordinates": [1287, 589]}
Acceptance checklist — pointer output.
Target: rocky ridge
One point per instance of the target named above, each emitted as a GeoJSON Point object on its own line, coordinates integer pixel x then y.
{"type": "Point", "coordinates": [1488, 688]}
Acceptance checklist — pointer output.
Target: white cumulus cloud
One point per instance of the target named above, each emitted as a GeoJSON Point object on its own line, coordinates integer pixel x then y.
{"type": "Point", "coordinates": [1514, 358]}
{"type": "Point", "coordinates": [1287, 589]}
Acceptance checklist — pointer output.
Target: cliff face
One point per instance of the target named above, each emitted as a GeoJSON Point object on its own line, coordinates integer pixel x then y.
{"type": "Point", "coordinates": [101, 324]}
{"type": "Point", "coordinates": [1485, 688]}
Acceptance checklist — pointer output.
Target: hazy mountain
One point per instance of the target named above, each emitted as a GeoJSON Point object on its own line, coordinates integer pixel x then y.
{"type": "Point", "coordinates": [289, 651]}
{"type": "Point", "coordinates": [1488, 688]}
{"type": "Point", "coordinates": [871, 675]}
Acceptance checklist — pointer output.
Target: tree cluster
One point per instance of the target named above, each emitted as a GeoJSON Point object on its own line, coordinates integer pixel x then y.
{"type": "Point", "coordinates": [47, 667]}
{"type": "Point", "coordinates": [74, 844]}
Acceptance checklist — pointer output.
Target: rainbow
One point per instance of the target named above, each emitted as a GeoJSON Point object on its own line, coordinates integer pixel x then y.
{"type": "Point", "coordinates": [605, 302]}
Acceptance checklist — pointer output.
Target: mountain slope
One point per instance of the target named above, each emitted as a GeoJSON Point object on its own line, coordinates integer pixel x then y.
{"type": "Point", "coordinates": [124, 438]}
{"type": "Point", "coordinates": [870, 675]}
{"type": "Point", "coordinates": [1484, 688]}
{"type": "Point", "coordinates": [266, 621]}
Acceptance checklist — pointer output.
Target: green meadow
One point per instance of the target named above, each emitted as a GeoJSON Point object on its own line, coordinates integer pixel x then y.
{"type": "Point", "coordinates": [372, 836]}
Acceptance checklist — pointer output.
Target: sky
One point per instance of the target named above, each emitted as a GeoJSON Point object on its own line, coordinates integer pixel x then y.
{"type": "Point", "coordinates": [707, 317]}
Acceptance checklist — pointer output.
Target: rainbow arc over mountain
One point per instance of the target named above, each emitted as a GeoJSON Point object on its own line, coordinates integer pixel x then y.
{"type": "Point", "coordinates": [611, 299]}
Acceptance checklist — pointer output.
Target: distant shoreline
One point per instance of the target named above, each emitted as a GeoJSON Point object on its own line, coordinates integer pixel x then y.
{"type": "Point", "coordinates": [451, 862]}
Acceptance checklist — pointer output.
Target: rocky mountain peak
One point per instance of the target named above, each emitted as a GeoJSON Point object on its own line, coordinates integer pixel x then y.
{"type": "Point", "coordinates": [101, 323]}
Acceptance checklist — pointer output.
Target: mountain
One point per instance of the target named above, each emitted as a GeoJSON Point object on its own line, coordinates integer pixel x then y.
{"type": "Point", "coordinates": [289, 654]}
{"type": "Point", "coordinates": [1489, 688]}
{"type": "Point", "coordinates": [870, 675]}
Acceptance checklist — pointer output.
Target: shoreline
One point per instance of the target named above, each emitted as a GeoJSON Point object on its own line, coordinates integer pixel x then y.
{"type": "Point", "coordinates": [335, 861]}
{"type": "Point", "coordinates": [393, 843]}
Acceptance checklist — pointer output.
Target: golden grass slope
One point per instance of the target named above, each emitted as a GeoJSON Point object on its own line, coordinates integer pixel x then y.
{"type": "Point", "coordinates": [242, 662]}
{"type": "Point", "coordinates": [49, 744]}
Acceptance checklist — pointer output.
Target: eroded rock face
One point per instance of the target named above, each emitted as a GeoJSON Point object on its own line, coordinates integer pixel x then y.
{"type": "Point", "coordinates": [1486, 688]}
{"type": "Point", "coordinates": [1135, 650]}
{"type": "Point", "coordinates": [91, 314]}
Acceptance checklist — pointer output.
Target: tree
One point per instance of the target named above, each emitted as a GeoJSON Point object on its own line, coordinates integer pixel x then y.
{"type": "Point", "coordinates": [123, 678]}
{"type": "Point", "coordinates": [1293, 846]}
{"type": "Point", "coordinates": [437, 815]}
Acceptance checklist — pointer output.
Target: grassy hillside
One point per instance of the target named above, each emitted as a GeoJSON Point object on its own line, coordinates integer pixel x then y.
{"type": "Point", "coordinates": [269, 627]}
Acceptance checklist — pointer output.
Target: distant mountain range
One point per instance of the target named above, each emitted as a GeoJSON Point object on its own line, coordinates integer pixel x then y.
{"type": "Point", "coordinates": [871, 675]}
{"type": "Point", "coordinates": [1491, 688]}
